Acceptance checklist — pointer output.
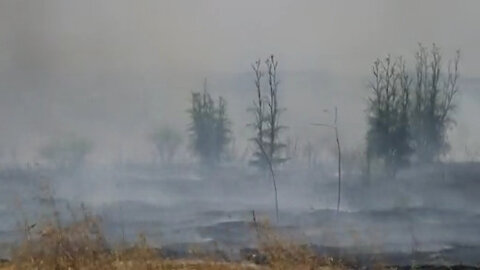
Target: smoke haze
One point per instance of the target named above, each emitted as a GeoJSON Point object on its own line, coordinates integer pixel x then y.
{"type": "Point", "coordinates": [112, 70]}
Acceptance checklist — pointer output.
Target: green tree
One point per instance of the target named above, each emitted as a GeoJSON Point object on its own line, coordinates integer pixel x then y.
{"type": "Point", "coordinates": [210, 127]}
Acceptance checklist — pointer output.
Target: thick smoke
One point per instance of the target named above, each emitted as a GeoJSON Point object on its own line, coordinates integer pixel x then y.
{"type": "Point", "coordinates": [109, 74]}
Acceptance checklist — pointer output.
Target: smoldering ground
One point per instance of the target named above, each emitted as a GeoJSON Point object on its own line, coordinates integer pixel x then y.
{"type": "Point", "coordinates": [112, 72]}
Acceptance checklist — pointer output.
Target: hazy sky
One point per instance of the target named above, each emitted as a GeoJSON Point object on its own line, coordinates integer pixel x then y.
{"type": "Point", "coordinates": [226, 35]}
{"type": "Point", "coordinates": [112, 69]}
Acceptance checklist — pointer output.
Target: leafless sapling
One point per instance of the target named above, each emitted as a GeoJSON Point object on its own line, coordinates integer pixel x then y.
{"type": "Point", "coordinates": [334, 127]}
{"type": "Point", "coordinates": [266, 110]}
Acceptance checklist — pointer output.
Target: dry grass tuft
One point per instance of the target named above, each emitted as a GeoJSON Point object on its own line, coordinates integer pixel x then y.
{"type": "Point", "coordinates": [283, 253]}
{"type": "Point", "coordinates": [63, 247]}
{"type": "Point", "coordinates": [81, 245]}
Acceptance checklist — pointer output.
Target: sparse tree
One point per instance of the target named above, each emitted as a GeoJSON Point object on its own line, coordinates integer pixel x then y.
{"type": "Point", "coordinates": [433, 102]}
{"type": "Point", "coordinates": [388, 135]}
{"type": "Point", "coordinates": [210, 127]}
{"type": "Point", "coordinates": [222, 128]}
{"type": "Point", "coordinates": [167, 141]}
{"type": "Point", "coordinates": [411, 116]}
{"type": "Point", "coordinates": [274, 145]}
{"type": "Point", "coordinates": [267, 116]}
{"type": "Point", "coordinates": [258, 110]}
{"type": "Point", "coordinates": [269, 148]}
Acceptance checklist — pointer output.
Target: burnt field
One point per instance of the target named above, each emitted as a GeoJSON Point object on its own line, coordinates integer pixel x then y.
{"type": "Point", "coordinates": [425, 215]}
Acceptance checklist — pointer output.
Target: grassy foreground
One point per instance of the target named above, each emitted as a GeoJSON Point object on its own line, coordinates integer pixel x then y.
{"type": "Point", "coordinates": [81, 245]}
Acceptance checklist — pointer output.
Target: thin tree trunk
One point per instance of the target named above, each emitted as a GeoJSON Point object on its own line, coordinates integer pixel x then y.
{"type": "Point", "coordinates": [335, 129]}
{"type": "Point", "coordinates": [339, 163]}
{"type": "Point", "coordinates": [272, 174]}
{"type": "Point", "coordinates": [339, 170]}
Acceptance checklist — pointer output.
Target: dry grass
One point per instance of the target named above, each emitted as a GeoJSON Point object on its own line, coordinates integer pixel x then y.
{"type": "Point", "coordinates": [81, 245]}
{"type": "Point", "coordinates": [283, 253]}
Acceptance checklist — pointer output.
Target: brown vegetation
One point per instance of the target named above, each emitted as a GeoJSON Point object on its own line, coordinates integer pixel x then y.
{"type": "Point", "coordinates": [81, 245]}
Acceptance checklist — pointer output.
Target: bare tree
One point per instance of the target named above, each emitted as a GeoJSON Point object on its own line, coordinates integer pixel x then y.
{"type": "Point", "coordinates": [275, 146]}
{"type": "Point", "coordinates": [272, 174]}
{"type": "Point", "coordinates": [388, 136]}
{"type": "Point", "coordinates": [435, 90]}
{"type": "Point", "coordinates": [267, 115]}
{"type": "Point", "coordinates": [266, 123]}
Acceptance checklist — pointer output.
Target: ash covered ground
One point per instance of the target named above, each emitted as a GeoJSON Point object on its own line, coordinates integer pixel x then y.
{"type": "Point", "coordinates": [427, 215]}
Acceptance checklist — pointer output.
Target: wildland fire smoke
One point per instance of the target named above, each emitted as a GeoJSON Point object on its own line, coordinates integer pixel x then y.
{"type": "Point", "coordinates": [188, 133]}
